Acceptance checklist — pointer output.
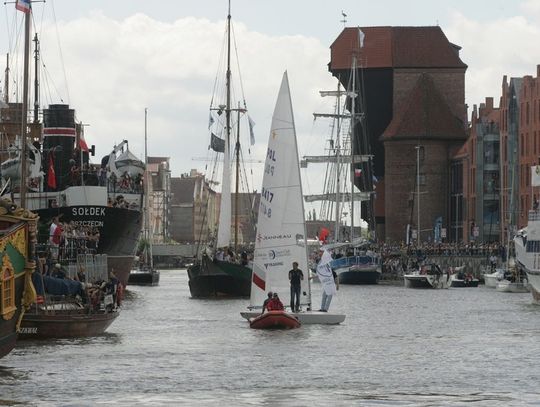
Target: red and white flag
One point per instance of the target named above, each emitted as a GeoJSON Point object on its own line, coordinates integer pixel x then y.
{"type": "Point", "coordinates": [51, 175]}
{"type": "Point", "coordinates": [82, 144]}
{"type": "Point", "coordinates": [23, 5]}
{"type": "Point", "coordinates": [357, 172]}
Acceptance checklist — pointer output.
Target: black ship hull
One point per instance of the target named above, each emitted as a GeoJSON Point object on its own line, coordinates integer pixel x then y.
{"type": "Point", "coordinates": [119, 230]}
{"type": "Point", "coordinates": [359, 277]}
{"type": "Point", "coordinates": [144, 277]}
{"type": "Point", "coordinates": [219, 279]}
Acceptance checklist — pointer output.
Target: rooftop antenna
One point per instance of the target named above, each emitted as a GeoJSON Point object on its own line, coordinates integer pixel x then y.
{"type": "Point", "coordinates": [344, 21]}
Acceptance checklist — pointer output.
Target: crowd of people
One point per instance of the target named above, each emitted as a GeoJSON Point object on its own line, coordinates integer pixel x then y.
{"type": "Point", "coordinates": [67, 239]}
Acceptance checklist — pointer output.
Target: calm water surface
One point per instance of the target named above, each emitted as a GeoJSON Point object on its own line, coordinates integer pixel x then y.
{"type": "Point", "coordinates": [397, 347]}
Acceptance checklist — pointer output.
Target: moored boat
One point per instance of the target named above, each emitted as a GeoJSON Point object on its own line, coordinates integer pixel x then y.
{"type": "Point", "coordinates": [68, 307]}
{"type": "Point", "coordinates": [274, 320]}
{"type": "Point", "coordinates": [491, 279]}
{"type": "Point", "coordinates": [428, 276]}
{"type": "Point", "coordinates": [209, 276]}
{"type": "Point", "coordinates": [460, 279]}
{"type": "Point", "coordinates": [17, 245]}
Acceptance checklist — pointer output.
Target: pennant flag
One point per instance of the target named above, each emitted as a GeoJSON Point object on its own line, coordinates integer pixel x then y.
{"type": "Point", "coordinates": [217, 144]}
{"type": "Point", "coordinates": [357, 172]}
{"type": "Point", "coordinates": [361, 37]}
{"type": "Point", "coordinates": [535, 172]}
{"type": "Point", "coordinates": [82, 144]}
{"type": "Point", "coordinates": [251, 133]}
{"type": "Point", "coordinates": [51, 176]}
{"type": "Point", "coordinates": [23, 5]}
{"type": "Point", "coordinates": [210, 121]}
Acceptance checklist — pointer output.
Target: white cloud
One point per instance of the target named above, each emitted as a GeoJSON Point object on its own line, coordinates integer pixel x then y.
{"type": "Point", "coordinates": [493, 49]}
{"type": "Point", "coordinates": [117, 68]}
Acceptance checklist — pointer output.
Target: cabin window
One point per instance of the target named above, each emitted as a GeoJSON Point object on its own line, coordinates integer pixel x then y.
{"type": "Point", "coordinates": [7, 287]}
{"type": "Point", "coordinates": [533, 246]}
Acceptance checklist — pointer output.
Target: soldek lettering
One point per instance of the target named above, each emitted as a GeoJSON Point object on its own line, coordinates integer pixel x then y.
{"type": "Point", "coordinates": [88, 211]}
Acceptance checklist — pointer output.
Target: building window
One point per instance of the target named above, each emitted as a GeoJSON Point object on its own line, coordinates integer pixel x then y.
{"type": "Point", "coordinates": [7, 285]}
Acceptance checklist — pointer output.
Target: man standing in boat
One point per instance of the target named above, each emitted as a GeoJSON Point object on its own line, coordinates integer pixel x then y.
{"type": "Point", "coordinates": [295, 277]}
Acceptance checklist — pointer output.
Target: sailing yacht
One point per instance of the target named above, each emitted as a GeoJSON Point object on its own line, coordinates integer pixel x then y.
{"type": "Point", "coordinates": [145, 273]}
{"type": "Point", "coordinates": [281, 227]}
{"type": "Point", "coordinates": [213, 275]}
{"type": "Point", "coordinates": [356, 263]}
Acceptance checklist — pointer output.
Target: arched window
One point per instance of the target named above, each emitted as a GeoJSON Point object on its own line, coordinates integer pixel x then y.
{"type": "Point", "coordinates": [7, 291]}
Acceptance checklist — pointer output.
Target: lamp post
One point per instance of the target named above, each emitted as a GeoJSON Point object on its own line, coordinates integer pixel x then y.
{"type": "Point", "coordinates": [418, 192]}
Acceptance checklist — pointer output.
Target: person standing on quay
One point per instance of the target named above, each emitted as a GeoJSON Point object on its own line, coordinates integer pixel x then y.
{"type": "Point", "coordinates": [295, 277]}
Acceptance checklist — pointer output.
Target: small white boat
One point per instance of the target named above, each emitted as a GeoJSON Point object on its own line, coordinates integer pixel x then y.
{"type": "Point", "coordinates": [506, 286]}
{"type": "Point", "coordinates": [429, 276]}
{"type": "Point", "coordinates": [491, 279]}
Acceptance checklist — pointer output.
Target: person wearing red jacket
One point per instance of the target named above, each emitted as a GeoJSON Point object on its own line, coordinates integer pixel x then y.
{"type": "Point", "coordinates": [275, 304]}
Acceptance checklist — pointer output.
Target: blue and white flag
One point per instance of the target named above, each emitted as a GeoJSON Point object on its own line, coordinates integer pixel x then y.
{"type": "Point", "coordinates": [324, 272]}
{"type": "Point", "coordinates": [251, 133]}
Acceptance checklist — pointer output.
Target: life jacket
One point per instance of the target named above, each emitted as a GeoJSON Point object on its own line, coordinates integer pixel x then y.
{"type": "Point", "coordinates": [275, 305]}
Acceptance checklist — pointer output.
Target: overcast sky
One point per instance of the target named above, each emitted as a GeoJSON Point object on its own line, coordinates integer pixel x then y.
{"type": "Point", "coordinates": [121, 56]}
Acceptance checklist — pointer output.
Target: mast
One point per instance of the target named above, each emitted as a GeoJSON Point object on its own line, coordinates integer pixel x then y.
{"type": "Point", "coordinates": [36, 79]}
{"type": "Point", "coordinates": [418, 192]}
{"type": "Point", "coordinates": [236, 211]}
{"type": "Point", "coordinates": [24, 122]}
{"type": "Point", "coordinates": [353, 122]}
{"type": "Point", "coordinates": [149, 260]}
{"type": "Point", "coordinates": [338, 165]}
{"type": "Point", "coordinates": [6, 81]}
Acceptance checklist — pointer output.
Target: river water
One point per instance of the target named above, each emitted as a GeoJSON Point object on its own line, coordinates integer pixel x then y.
{"type": "Point", "coordinates": [397, 347]}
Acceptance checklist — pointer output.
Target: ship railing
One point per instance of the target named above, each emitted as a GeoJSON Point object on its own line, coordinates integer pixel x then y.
{"type": "Point", "coordinates": [534, 215]}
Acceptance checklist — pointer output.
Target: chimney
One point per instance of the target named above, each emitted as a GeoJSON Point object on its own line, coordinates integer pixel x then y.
{"type": "Point", "coordinates": [538, 71]}
{"type": "Point", "coordinates": [489, 103]}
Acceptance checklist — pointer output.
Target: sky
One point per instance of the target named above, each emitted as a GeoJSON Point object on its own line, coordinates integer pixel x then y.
{"type": "Point", "coordinates": [111, 59]}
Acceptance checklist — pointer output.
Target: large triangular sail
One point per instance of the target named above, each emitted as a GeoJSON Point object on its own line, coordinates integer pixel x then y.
{"type": "Point", "coordinates": [280, 238]}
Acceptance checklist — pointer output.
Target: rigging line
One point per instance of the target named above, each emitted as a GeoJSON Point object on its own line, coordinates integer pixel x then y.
{"type": "Point", "coordinates": [218, 78]}
{"type": "Point", "coordinates": [238, 66]}
{"type": "Point", "coordinates": [60, 50]}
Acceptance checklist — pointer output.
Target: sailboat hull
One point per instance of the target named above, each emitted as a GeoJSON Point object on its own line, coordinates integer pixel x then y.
{"type": "Point", "coordinates": [219, 279]}
{"type": "Point", "coordinates": [144, 277]}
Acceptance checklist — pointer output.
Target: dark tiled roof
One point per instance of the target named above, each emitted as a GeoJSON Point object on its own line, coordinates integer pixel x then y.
{"type": "Point", "coordinates": [424, 114]}
{"type": "Point", "coordinates": [395, 47]}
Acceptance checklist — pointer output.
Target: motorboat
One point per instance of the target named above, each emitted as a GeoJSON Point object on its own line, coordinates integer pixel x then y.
{"type": "Point", "coordinates": [274, 320]}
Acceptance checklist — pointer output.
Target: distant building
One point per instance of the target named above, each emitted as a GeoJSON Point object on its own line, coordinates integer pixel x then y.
{"type": "Point", "coordinates": [481, 213]}
{"type": "Point", "coordinates": [193, 208]}
{"type": "Point", "coordinates": [403, 71]}
{"type": "Point", "coordinates": [159, 198]}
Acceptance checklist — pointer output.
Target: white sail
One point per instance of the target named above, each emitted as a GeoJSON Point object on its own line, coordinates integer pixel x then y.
{"type": "Point", "coordinates": [224, 226]}
{"type": "Point", "coordinates": [280, 238]}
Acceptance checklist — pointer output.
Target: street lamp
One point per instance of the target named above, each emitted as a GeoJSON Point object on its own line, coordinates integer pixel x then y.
{"type": "Point", "coordinates": [418, 191]}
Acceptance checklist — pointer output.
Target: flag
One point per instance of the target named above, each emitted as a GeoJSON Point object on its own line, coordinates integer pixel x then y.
{"type": "Point", "coordinates": [217, 144]}
{"type": "Point", "coordinates": [324, 272]}
{"type": "Point", "coordinates": [82, 144]}
{"type": "Point", "coordinates": [323, 234]}
{"type": "Point", "coordinates": [361, 37]}
{"type": "Point", "coordinates": [23, 5]}
{"type": "Point", "coordinates": [210, 120]}
{"type": "Point", "coordinates": [51, 175]}
{"type": "Point", "coordinates": [251, 133]}
{"type": "Point", "coordinates": [535, 172]}
{"type": "Point", "coordinates": [357, 172]}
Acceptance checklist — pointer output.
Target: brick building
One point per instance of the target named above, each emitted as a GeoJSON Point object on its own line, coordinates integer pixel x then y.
{"type": "Point", "coordinates": [398, 65]}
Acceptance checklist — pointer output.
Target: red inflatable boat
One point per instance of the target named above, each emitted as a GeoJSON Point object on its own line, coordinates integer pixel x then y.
{"type": "Point", "coordinates": [274, 320]}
